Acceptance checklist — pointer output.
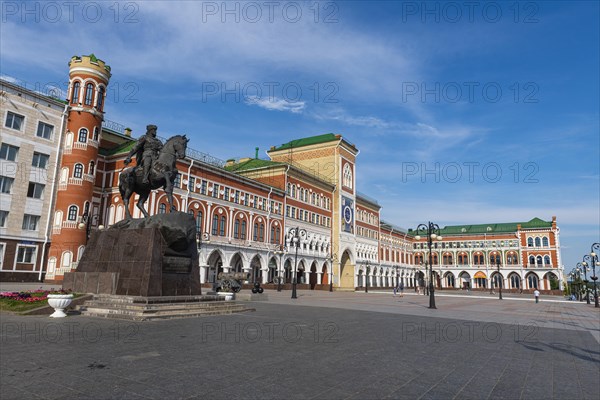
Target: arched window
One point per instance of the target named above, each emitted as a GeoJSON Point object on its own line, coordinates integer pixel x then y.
{"type": "Point", "coordinates": [96, 134]}
{"type": "Point", "coordinates": [58, 216]}
{"type": "Point", "coordinates": [545, 241]}
{"type": "Point", "coordinates": [100, 101]}
{"type": "Point", "coordinates": [215, 225]}
{"type": "Point", "coordinates": [89, 94]}
{"type": "Point", "coordinates": [538, 242]}
{"type": "Point", "coordinates": [72, 215]}
{"type": "Point", "coordinates": [91, 168]}
{"type": "Point", "coordinates": [497, 280]}
{"type": "Point", "coordinates": [78, 171]}
{"type": "Point", "coordinates": [236, 229]}
{"type": "Point", "coordinates": [243, 230]}
{"type": "Point", "coordinates": [347, 178]}
{"type": "Point", "coordinates": [515, 281]}
{"type": "Point", "coordinates": [83, 135]}
{"type": "Point", "coordinates": [75, 93]}
{"type": "Point", "coordinates": [447, 259]}
{"type": "Point", "coordinates": [532, 280]}
{"type": "Point", "coordinates": [222, 228]}
{"type": "Point", "coordinates": [199, 221]}
{"type": "Point", "coordinates": [530, 242]}
{"type": "Point", "coordinates": [532, 260]}
{"type": "Point", "coordinates": [511, 258]}
{"type": "Point", "coordinates": [162, 208]}
{"type": "Point", "coordinates": [255, 232]}
{"type": "Point", "coordinates": [66, 259]}
{"type": "Point", "coordinates": [261, 232]}
{"type": "Point", "coordinates": [547, 260]}
{"type": "Point", "coordinates": [539, 261]}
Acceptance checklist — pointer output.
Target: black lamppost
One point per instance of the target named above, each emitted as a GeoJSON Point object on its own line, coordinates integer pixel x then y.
{"type": "Point", "coordinates": [426, 280]}
{"type": "Point", "coordinates": [433, 233]}
{"type": "Point", "coordinates": [296, 236]}
{"type": "Point", "coordinates": [331, 259]}
{"type": "Point", "coordinates": [584, 266]}
{"type": "Point", "coordinates": [86, 223]}
{"type": "Point", "coordinates": [594, 257]}
{"type": "Point", "coordinates": [575, 282]}
{"type": "Point", "coordinates": [499, 277]}
{"type": "Point", "coordinates": [367, 277]}
{"type": "Point", "coordinates": [280, 253]}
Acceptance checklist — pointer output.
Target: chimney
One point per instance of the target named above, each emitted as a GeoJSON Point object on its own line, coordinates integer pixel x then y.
{"type": "Point", "coordinates": [256, 153]}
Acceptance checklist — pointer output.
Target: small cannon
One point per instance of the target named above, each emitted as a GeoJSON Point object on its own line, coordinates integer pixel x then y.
{"type": "Point", "coordinates": [231, 281]}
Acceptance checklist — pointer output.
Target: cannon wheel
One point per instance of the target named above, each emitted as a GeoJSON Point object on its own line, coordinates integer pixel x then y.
{"type": "Point", "coordinates": [236, 289]}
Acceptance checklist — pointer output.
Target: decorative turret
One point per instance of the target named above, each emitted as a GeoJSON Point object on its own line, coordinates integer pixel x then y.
{"type": "Point", "coordinates": [76, 207]}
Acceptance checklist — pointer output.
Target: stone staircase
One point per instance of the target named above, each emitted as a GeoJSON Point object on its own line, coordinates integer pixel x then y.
{"type": "Point", "coordinates": [137, 308]}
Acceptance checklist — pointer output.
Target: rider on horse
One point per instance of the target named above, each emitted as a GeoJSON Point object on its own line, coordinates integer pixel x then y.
{"type": "Point", "coordinates": [146, 151]}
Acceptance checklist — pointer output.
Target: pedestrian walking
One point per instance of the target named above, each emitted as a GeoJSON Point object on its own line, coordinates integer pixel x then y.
{"type": "Point", "coordinates": [536, 294]}
{"type": "Point", "coordinates": [401, 288]}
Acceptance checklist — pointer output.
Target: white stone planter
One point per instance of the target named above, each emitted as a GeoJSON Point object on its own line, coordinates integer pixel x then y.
{"type": "Point", "coordinates": [59, 302]}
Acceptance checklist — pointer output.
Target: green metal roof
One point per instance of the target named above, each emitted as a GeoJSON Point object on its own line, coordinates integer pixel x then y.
{"type": "Point", "coordinates": [253, 163]}
{"type": "Point", "coordinates": [328, 137]}
{"type": "Point", "coordinates": [122, 148]}
{"type": "Point", "coordinates": [507, 227]}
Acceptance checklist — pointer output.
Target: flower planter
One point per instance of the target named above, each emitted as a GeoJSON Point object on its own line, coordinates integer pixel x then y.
{"type": "Point", "coordinates": [59, 302]}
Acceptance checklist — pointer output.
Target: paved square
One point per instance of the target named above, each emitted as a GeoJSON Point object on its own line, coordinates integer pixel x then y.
{"type": "Point", "coordinates": [322, 345]}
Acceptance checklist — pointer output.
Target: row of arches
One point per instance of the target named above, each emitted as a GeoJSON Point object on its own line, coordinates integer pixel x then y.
{"type": "Point", "coordinates": [266, 268]}
{"type": "Point", "coordinates": [464, 258]}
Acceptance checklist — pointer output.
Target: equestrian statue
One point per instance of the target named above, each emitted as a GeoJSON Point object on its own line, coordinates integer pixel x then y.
{"type": "Point", "coordinates": [155, 168]}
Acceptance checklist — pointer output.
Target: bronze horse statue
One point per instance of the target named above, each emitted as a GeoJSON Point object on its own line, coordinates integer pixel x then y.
{"type": "Point", "coordinates": [162, 174]}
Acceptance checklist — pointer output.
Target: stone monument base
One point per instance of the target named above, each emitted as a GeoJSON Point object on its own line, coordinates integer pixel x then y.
{"type": "Point", "coordinates": [139, 308]}
{"type": "Point", "coordinates": [149, 257]}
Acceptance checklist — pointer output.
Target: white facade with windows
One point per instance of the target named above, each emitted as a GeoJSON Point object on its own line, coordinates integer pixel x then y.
{"type": "Point", "coordinates": [30, 126]}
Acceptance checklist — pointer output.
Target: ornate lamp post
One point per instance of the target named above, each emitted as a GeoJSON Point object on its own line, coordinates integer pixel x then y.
{"type": "Point", "coordinates": [331, 259]}
{"type": "Point", "coordinates": [433, 233]}
{"type": "Point", "coordinates": [367, 277]}
{"type": "Point", "coordinates": [499, 277]}
{"type": "Point", "coordinates": [584, 266]}
{"type": "Point", "coordinates": [86, 223]}
{"type": "Point", "coordinates": [594, 259]}
{"type": "Point", "coordinates": [296, 236]}
{"type": "Point", "coordinates": [280, 253]}
{"type": "Point", "coordinates": [575, 283]}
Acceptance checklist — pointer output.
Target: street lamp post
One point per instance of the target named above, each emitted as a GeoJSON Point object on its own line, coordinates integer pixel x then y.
{"type": "Point", "coordinates": [331, 259]}
{"type": "Point", "coordinates": [367, 277]}
{"type": "Point", "coordinates": [594, 257]}
{"type": "Point", "coordinates": [499, 278]}
{"type": "Point", "coordinates": [280, 253]}
{"type": "Point", "coordinates": [86, 223]}
{"type": "Point", "coordinates": [426, 280]}
{"type": "Point", "coordinates": [584, 266]}
{"type": "Point", "coordinates": [298, 233]}
{"type": "Point", "coordinates": [433, 233]}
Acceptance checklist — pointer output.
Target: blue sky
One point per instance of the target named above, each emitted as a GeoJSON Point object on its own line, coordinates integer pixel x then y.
{"type": "Point", "coordinates": [462, 113]}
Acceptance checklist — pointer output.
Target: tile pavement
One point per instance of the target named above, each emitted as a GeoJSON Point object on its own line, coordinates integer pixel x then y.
{"type": "Point", "coordinates": [320, 346]}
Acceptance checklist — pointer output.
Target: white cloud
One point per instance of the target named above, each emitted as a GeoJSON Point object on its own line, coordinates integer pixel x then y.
{"type": "Point", "coordinates": [276, 104]}
{"type": "Point", "coordinates": [9, 78]}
